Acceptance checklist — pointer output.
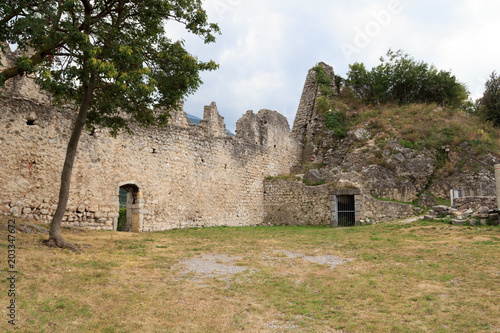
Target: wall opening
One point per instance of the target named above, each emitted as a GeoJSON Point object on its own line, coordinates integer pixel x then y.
{"type": "Point", "coordinates": [346, 212]}
{"type": "Point", "coordinates": [129, 210]}
{"type": "Point", "coordinates": [345, 206]}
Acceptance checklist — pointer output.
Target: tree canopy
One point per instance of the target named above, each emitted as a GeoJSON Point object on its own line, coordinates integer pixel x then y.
{"type": "Point", "coordinates": [110, 58]}
{"type": "Point", "coordinates": [401, 79]}
{"type": "Point", "coordinates": [117, 48]}
{"type": "Point", "coordinates": [489, 104]}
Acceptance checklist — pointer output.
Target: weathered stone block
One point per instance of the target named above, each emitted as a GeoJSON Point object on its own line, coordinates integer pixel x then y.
{"type": "Point", "coordinates": [483, 210]}
{"type": "Point", "coordinates": [441, 209]}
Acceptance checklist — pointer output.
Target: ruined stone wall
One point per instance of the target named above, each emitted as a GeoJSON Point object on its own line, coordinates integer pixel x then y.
{"type": "Point", "coordinates": [188, 175]}
{"type": "Point", "coordinates": [382, 211]}
{"type": "Point", "coordinates": [308, 121]}
{"type": "Point", "coordinates": [294, 203]}
{"type": "Point", "coordinates": [474, 203]}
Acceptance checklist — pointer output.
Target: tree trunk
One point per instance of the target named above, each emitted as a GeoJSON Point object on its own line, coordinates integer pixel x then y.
{"type": "Point", "coordinates": [55, 238]}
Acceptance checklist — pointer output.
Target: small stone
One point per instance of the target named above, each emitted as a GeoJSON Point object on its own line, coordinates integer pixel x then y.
{"type": "Point", "coordinates": [362, 134]}
{"type": "Point", "coordinates": [15, 210]}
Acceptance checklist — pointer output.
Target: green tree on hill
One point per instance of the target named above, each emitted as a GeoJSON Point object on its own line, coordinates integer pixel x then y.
{"type": "Point", "coordinates": [489, 104]}
{"type": "Point", "coordinates": [109, 58]}
{"type": "Point", "coordinates": [401, 79]}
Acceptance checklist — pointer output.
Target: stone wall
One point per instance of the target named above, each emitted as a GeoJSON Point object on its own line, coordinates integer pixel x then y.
{"type": "Point", "coordinates": [474, 203]}
{"type": "Point", "coordinates": [379, 210]}
{"type": "Point", "coordinates": [187, 175]}
{"type": "Point", "coordinates": [307, 121]}
{"type": "Point", "coordinates": [294, 203]}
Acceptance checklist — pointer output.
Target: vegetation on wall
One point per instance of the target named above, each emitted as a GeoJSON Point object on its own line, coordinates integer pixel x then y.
{"type": "Point", "coordinates": [335, 118]}
{"type": "Point", "coordinates": [122, 219]}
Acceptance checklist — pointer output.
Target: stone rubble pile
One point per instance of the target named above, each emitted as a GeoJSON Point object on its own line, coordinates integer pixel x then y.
{"type": "Point", "coordinates": [462, 217]}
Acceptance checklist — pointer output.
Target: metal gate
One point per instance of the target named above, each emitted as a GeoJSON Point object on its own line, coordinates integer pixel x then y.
{"type": "Point", "coordinates": [346, 211]}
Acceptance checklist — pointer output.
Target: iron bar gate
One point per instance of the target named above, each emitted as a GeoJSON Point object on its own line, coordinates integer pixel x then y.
{"type": "Point", "coordinates": [346, 210]}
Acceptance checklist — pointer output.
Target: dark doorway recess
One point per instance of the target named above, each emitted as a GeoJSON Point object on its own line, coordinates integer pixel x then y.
{"type": "Point", "coordinates": [346, 210]}
{"type": "Point", "coordinates": [345, 205]}
{"type": "Point", "coordinates": [127, 198]}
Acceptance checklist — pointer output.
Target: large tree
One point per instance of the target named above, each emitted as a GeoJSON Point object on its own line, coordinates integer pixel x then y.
{"type": "Point", "coordinates": [110, 58]}
{"type": "Point", "coordinates": [489, 104]}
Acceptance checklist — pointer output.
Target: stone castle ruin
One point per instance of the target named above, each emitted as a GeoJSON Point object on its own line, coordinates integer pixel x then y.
{"type": "Point", "coordinates": [182, 175]}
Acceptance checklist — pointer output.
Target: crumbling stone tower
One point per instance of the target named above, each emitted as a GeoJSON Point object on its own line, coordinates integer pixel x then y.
{"type": "Point", "coordinates": [307, 120]}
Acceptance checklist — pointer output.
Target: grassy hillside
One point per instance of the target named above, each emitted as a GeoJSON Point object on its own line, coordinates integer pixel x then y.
{"type": "Point", "coordinates": [455, 136]}
{"type": "Point", "coordinates": [420, 126]}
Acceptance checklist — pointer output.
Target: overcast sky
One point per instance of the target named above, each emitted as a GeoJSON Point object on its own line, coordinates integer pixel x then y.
{"type": "Point", "coordinates": [267, 46]}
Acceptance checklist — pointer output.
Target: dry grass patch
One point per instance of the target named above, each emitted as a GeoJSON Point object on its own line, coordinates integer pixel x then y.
{"type": "Point", "coordinates": [420, 276]}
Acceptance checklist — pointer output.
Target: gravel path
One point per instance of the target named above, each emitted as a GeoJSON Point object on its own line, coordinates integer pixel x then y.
{"type": "Point", "coordinates": [212, 265]}
{"type": "Point", "coordinates": [221, 265]}
{"type": "Point", "coordinates": [329, 260]}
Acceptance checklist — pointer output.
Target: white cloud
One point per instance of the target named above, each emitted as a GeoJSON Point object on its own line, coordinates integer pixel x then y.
{"type": "Point", "coordinates": [267, 46]}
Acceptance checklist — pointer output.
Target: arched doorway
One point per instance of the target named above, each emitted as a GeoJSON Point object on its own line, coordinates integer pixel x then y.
{"type": "Point", "coordinates": [131, 202]}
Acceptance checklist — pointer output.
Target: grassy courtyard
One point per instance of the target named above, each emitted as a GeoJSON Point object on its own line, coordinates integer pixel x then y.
{"type": "Point", "coordinates": [417, 277]}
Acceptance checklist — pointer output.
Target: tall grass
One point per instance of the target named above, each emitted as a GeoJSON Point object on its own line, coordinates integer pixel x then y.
{"type": "Point", "coordinates": [430, 126]}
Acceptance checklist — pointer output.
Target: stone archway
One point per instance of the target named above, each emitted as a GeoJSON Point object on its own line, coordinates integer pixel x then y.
{"type": "Point", "coordinates": [134, 205]}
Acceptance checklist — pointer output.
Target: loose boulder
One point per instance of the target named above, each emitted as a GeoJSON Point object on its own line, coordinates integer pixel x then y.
{"type": "Point", "coordinates": [426, 200]}
{"type": "Point", "coordinates": [314, 176]}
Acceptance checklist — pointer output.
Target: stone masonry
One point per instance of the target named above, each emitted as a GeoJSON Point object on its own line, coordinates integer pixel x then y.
{"type": "Point", "coordinates": [294, 203]}
{"type": "Point", "coordinates": [307, 120]}
{"type": "Point", "coordinates": [185, 175]}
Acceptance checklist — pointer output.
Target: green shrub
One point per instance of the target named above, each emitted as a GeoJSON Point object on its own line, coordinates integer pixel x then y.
{"type": "Point", "coordinates": [401, 79]}
{"type": "Point", "coordinates": [336, 121]}
{"type": "Point", "coordinates": [122, 219]}
{"type": "Point", "coordinates": [489, 104]}
{"type": "Point", "coordinates": [410, 144]}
